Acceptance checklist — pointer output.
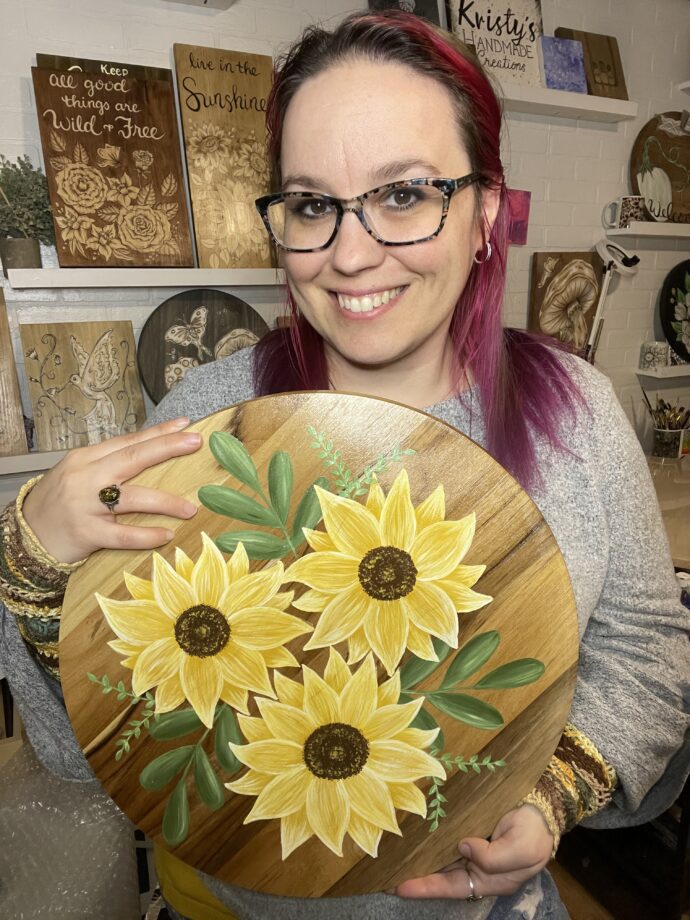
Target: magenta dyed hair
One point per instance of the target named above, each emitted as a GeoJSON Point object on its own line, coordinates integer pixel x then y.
{"type": "Point", "coordinates": [521, 382]}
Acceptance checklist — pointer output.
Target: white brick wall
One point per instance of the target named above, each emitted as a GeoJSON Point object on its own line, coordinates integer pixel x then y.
{"type": "Point", "coordinates": [571, 168]}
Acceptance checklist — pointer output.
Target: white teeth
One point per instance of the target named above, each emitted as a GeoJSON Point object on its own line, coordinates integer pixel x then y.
{"type": "Point", "coordinates": [367, 303]}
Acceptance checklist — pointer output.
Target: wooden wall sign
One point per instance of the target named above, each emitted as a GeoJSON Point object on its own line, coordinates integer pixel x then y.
{"type": "Point", "coordinates": [83, 382]}
{"type": "Point", "coordinates": [12, 434]}
{"type": "Point", "coordinates": [564, 293]}
{"type": "Point", "coordinates": [105, 68]}
{"type": "Point", "coordinates": [603, 65]}
{"type": "Point", "coordinates": [110, 146]}
{"type": "Point", "coordinates": [328, 649]}
{"type": "Point", "coordinates": [193, 328]}
{"type": "Point", "coordinates": [222, 98]}
{"type": "Point", "coordinates": [505, 35]}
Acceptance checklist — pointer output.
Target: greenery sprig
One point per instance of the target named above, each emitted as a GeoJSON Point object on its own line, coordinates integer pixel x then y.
{"type": "Point", "coordinates": [345, 482]}
{"type": "Point", "coordinates": [437, 800]}
{"type": "Point", "coordinates": [123, 743]}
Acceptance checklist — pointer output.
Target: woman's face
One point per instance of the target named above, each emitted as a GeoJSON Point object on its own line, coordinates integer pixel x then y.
{"type": "Point", "coordinates": [354, 127]}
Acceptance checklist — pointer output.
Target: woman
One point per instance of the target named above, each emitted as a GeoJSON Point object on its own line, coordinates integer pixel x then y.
{"type": "Point", "coordinates": [392, 221]}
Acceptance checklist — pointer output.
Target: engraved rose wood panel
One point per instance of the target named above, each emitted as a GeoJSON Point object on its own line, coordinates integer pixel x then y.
{"type": "Point", "coordinates": [111, 149]}
{"type": "Point", "coordinates": [367, 624]}
{"type": "Point", "coordinates": [222, 97]}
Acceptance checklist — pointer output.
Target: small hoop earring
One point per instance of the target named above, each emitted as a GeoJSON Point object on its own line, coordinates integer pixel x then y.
{"type": "Point", "coordinates": [486, 257]}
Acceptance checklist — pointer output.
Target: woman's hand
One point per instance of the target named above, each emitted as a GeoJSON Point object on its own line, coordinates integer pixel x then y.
{"type": "Point", "coordinates": [520, 847]}
{"type": "Point", "coordinates": [64, 511]}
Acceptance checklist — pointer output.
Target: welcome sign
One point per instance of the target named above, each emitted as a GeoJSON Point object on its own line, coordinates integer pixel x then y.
{"type": "Point", "coordinates": [504, 35]}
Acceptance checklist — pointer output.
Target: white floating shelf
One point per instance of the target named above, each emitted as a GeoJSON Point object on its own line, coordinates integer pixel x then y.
{"type": "Point", "coordinates": [659, 229]}
{"type": "Point", "coordinates": [537, 100]}
{"type": "Point", "coordinates": [684, 87]}
{"type": "Point", "coordinates": [30, 463]}
{"type": "Point", "coordinates": [665, 373]}
{"type": "Point", "coordinates": [144, 277]}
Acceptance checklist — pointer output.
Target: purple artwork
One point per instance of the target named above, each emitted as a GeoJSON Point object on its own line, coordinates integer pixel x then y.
{"type": "Point", "coordinates": [564, 64]}
{"type": "Point", "coordinates": [518, 203]}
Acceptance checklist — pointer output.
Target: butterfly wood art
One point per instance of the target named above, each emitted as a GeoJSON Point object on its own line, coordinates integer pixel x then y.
{"type": "Point", "coordinates": [362, 648]}
{"type": "Point", "coordinates": [190, 329]}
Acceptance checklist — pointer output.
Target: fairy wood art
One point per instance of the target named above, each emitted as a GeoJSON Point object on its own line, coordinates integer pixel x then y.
{"type": "Point", "coordinates": [222, 104]}
{"type": "Point", "coordinates": [193, 328]}
{"type": "Point", "coordinates": [362, 648]}
{"type": "Point", "coordinates": [564, 292]}
{"type": "Point", "coordinates": [83, 382]}
{"type": "Point", "coordinates": [660, 167]}
{"type": "Point", "coordinates": [114, 171]}
{"type": "Point", "coordinates": [12, 434]}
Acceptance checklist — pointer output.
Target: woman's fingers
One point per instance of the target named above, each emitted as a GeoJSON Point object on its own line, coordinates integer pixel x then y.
{"type": "Point", "coordinates": [124, 536]}
{"type": "Point", "coordinates": [103, 448]}
{"type": "Point", "coordinates": [152, 501]}
{"type": "Point", "coordinates": [445, 884]}
{"type": "Point", "coordinates": [133, 458]}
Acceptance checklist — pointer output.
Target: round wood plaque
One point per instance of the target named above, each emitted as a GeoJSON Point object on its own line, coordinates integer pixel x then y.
{"type": "Point", "coordinates": [193, 328]}
{"type": "Point", "coordinates": [342, 710]}
{"type": "Point", "coordinates": [674, 309]}
{"type": "Point", "coordinates": [660, 167]}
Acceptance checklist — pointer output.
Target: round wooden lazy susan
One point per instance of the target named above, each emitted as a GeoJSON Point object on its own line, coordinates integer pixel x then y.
{"type": "Point", "coordinates": [361, 649]}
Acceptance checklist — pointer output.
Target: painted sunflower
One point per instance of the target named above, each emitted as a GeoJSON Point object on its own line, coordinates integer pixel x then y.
{"type": "Point", "coordinates": [387, 576]}
{"type": "Point", "coordinates": [204, 631]}
{"type": "Point", "coordinates": [335, 756]}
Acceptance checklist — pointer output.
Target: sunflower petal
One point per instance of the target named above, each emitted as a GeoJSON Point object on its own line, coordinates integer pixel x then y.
{"type": "Point", "coordinates": [397, 762]}
{"type": "Point", "coordinates": [253, 729]}
{"type": "Point", "coordinates": [141, 589]}
{"type": "Point", "coordinates": [389, 690]}
{"type": "Point", "coordinates": [294, 830]}
{"type": "Point", "coordinates": [337, 673]}
{"type": "Point", "coordinates": [169, 694]}
{"type": "Point", "coordinates": [284, 795]}
{"type": "Point", "coordinates": [279, 658]}
{"type": "Point", "coordinates": [418, 737]}
{"type": "Point", "coordinates": [244, 668]}
{"type": "Point", "coordinates": [466, 575]}
{"type": "Point", "coordinates": [391, 720]}
{"type": "Point", "coordinates": [420, 644]}
{"type": "Point", "coordinates": [431, 510]}
{"type": "Point", "coordinates": [320, 701]}
{"type": "Point", "coordinates": [343, 615]}
{"type": "Point", "coordinates": [312, 601]}
{"type": "Point", "coordinates": [357, 646]}
{"type": "Point", "coordinates": [375, 498]}
{"type": "Point", "coordinates": [173, 593]}
{"type": "Point", "coordinates": [238, 564]}
{"type": "Point", "coordinates": [281, 600]}
{"type": "Point", "coordinates": [370, 798]}
{"type": "Point", "coordinates": [286, 722]}
{"type": "Point", "coordinates": [263, 628]}
{"type": "Point", "coordinates": [328, 812]}
{"type": "Point", "coordinates": [398, 522]}
{"type": "Point", "coordinates": [272, 756]}
{"type": "Point", "coordinates": [432, 611]}
{"type": "Point", "coordinates": [237, 697]}
{"type": "Point", "coordinates": [156, 663]}
{"type": "Point", "coordinates": [327, 572]}
{"type": "Point", "coordinates": [318, 540]}
{"type": "Point", "coordinates": [408, 797]}
{"type": "Point", "coordinates": [126, 648]}
{"type": "Point", "coordinates": [184, 566]}
{"type": "Point", "coordinates": [252, 783]}
{"type": "Point", "coordinates": [440, 548]}
{"type": "Point", "coordinates": [136, 621]}
{"type": "Point", "coordinates": [288, 691]}
{"type": "Point", "coordinates": [353, 528]}
{"type": "Point", "coordinates": [367, 836]}
{"type": "Point", "coordinates": [202, 683]}
{"type": "Point", "coordinates": [465, 600]}
{"type": "Point", "coordinates": [385, 627]}
{"type": "Point", "coordinates": [209, 575]}
{"type": "Point", "coordinates": [358, 698]}
{"type": "Point", "coordinates": [253, 590]}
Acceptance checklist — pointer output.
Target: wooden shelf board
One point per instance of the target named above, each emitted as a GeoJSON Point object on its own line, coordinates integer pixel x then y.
{"type": "Point", "coordinates": [537, 100]}
{"type": "Point", "coordinates": [30, 463]}
{"type": "Point", "coordinates": [662, 228]}
{"type": "Point", "coordinates": [666, 373]}
{"type": "Point", "coordinates": [144, 277]}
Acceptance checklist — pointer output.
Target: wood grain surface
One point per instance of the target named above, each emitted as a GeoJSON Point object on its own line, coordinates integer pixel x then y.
{"type": "Point", "coordinates": [105, 68]}
{"type": "Point", "coordinates": [83, 382]}
{"type": "Point", "coordinates": [193, 328]}
{"type": "Point", "coordinates": [222, 97]}
{"type": "Point", "coordinates": [660, 167]}
{"type": "Point", "coordinates": [12, 434]}
{"type": "Point", "coordinates": [114, 170]}
{"type": "Point", "coordinates": [532, 609]}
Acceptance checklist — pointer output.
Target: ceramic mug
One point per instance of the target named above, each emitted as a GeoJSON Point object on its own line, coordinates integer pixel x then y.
{"type": "Point", "coordinates": [623, 210]}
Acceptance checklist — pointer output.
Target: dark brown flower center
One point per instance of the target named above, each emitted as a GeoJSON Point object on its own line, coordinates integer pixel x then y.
{"type": "Point", "coordinates": [387, 573]}
{"type": "Point", "coordinates": [336, 751]}
{"type": "Point", "coordinates": [202, 631]}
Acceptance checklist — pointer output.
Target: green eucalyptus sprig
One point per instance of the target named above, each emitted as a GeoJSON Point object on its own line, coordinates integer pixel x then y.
{"type": "Point", "coordinates": [24, 202]}
{"type": "Point", "coordinates": [345, 483]}
{"type": "Point", "coordinates": [124, 742]}
{"type": "Point", "coordinates": [437, 800]}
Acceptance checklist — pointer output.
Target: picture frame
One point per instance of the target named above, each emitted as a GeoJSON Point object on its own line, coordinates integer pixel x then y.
{"type": "Point", "coordinates": [432, 10]}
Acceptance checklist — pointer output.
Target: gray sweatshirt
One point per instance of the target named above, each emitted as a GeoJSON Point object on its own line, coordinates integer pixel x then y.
{"type": "Point", "coordinates": [632, 697]}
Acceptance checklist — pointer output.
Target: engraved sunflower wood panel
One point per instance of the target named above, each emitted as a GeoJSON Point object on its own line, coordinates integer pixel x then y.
{"type": "Point", "coordinates": [12, 434]}
{"type": "Point", "coordinates": [83, 382]}
{"type": "Point", "coordinates": [222, 97]}
{"type": "Point", "coordinates": [564, 291]}
{"type": "Point", "coordinates": [302, 687]}
{"type": "Point", "coordinates": [111, 150]}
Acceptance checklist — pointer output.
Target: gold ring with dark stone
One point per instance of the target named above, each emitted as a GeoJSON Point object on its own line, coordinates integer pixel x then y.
{"type": "Point", "coordinates": [110, 496]}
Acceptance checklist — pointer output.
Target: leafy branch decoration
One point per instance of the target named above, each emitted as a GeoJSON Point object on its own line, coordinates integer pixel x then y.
{"type": "Point", "coordinates": [437, 800]}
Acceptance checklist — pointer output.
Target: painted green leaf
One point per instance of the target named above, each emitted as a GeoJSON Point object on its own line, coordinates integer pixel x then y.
{"type": "Point", "coordinates": [308, 513]}
{"type": "Point", "coordinates": [677, 327]}
{"type": "Point", "coordinates": [280, 483]}
{"type": "Point", "coordinates": [234, 504]}
{"type": "Point", "coordinates": [176, 817]}
{"type": "Point", "coordinates": [160, 771]}
{"type": "Point", "coordinates": [208, 785]}
{"type": "Point", "coordinates": [258, 545]}
{"type": "Point", "coordinates": [226, 730]}
{"type": "Point", "coordinates": [234, 457]}
{"type": "Point", "coordinates": [470, 658]}
{"type": "Point", "coordinates": [427, 722]}
{"type": "Point", "coordinates": [466, 709]}
{"type": "Point", "coordinates": [416, 669]}
{"type": "Point", "coordinates": [516, 673]}
{"type": "Point", "coordinates": [175, 724]}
